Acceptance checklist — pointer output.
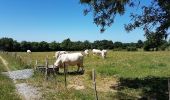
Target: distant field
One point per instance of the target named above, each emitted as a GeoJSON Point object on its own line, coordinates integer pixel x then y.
{"type": "Point", "coordinates": [139, 74]}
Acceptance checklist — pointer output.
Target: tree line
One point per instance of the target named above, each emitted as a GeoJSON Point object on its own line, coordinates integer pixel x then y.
{"type": "Point", "coordinates": [8, 44]}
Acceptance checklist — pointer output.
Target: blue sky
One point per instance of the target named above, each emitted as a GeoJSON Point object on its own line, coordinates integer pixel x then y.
{"type": "Point", "coordinates": [56, 20]}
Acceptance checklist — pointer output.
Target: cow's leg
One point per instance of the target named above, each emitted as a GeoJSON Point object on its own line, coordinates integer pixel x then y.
{"type": "Point", "coordinates": [82, 67]}
{"type": "Point", "coordinates": [78, 65]}
{"type": "Point", "coordinates": [65, 68]}
{"type": "Point", "coordinates": [57, 70]}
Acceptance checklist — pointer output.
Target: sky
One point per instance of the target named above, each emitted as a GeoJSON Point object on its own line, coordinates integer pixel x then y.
{"type": "Point", "coordinates": [56, 20]}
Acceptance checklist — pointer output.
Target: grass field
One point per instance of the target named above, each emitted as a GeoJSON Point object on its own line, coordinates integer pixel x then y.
{"type": "Point", "coordinates": [122, 75]}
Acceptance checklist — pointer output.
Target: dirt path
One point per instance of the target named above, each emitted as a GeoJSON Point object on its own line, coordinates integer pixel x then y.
{"type": "Point", "coordinates": [26, 91]}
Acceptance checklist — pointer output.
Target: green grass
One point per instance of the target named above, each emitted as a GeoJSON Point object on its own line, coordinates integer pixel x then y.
{"type": "Point", "coordinates": [16, 63]}
{"type": "Point", "coordinates": [137, 69]}
{"type": "Point", "coordinates": [7, 88]}
{"type": "Point", "coordinates": [135, 64]}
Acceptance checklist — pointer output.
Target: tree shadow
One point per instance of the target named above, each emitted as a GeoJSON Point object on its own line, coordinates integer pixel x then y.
{"type": "Point", "coordinates": [153, 88]}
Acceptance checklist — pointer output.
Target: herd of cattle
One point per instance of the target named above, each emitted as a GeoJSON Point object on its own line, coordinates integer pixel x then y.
{"type": "Point", "coordinates": [64, 58]}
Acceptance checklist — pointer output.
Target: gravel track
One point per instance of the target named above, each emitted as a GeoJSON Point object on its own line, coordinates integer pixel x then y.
{"type": "Point", "coordinates": [19, 74]}
{"type": "Point", "coordinates": [26, 91]}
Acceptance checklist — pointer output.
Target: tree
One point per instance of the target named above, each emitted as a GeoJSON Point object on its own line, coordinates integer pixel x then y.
{"type": "Point", "coordinates": [118, 45]}
{"type": "Point", "coordinates": [153, 42]}
{"type": "Point", "coordinates": [139, 44]}
{"type": "Point", "coordinates": [104, 11]}
{"type": "Point", "coordinates": [35, 46]}
{"type": "Point", "coordinates": [154, 18]}
{"type": "Point", "coordinates": [66, 44]}
{"type": "Point", "coordinates": [43, 46]}
{"type": "Point", "coordinates": [6, 44]}
{"type": "Point", "coordinates": [87, 44]}
{"type": "Point", "coordinates": [24, 45]}
{"type": "Point", "coordinates": [157, 14]}
{"type": "Point", "coordinates": [16, 46]}
{"type": "Point", "coordinates": [54, 46]}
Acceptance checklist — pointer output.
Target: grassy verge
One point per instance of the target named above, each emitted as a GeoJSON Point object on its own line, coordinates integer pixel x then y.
{"type": "Point", "coordinates": [15, 62]}
{"type": "Point", "coordinates": [7, 88]}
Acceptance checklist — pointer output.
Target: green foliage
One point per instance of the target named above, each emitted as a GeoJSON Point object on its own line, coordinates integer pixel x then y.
{"type": "Point", "coordinates": [131, 48]}
{"type": "Point", "coordinates": [118, 45]}
{"type": "Point", "coordinates": [54, 46]}
{"type": "Point", "coordinates": [103, 44]}
{"type": "Point", "coordinates": [105, 11]}
{"type": "Point", "coordinates": [139, 44]}
{"type": "Point", "coordinates": [6, 43]}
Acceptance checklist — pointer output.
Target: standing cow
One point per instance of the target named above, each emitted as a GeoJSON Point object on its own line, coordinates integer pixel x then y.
{"type": "Point", "coordinates": [29, 51]}
{"type": "Point", "coordinates": [70, 59]}
{"type": "Point", "coordinates": [86, 52]}
{"type": "Point", "coordinates": [96, 51]}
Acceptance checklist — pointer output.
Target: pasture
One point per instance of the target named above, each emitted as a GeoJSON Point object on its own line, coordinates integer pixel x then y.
{"type": "Point", "coordinates": [122, 75]}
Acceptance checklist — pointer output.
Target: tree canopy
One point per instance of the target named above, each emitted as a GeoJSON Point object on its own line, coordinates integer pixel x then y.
{"type": "Point", "coordinates": [155, 16]}
{"type": "Point", "coordinates": [8, 44]}
{"type": "Point", "coordinates": [154, 19]}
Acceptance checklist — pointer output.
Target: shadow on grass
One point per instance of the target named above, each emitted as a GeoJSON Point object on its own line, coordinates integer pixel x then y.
{"type": "Point", "coordinates": [72, 73]}
{"type": "Point", "coordinates": [153, 88]}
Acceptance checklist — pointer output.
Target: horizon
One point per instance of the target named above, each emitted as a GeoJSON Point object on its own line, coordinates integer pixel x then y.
{"type": "Point", "coordinates": [42, 20]}
{"type": "Point", "coordinates": [70, 40]}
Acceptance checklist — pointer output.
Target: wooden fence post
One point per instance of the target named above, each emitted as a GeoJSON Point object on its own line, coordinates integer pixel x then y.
{"type": "Point", "coordinates": [169, 87]}
{"type": "Point", "coordinates": [46, 69]}
{"type": "Point", "coordinates": [94, 83]}
{"type": "Point", "coordinates": [36, 63]}
{"type": "Point", "coordinates": [65, 77]}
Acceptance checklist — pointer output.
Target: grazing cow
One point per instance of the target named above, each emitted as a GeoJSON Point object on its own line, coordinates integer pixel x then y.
{"type": "Point", "coordinates": [28, 51]}
{"type": "Point", "coordinates": [104, 53]}
{"type": "Point", "coordinates": [86, 52]}
{"type": "Point", "coordinates": [70, 59]}
{"type": "Point", "coordinates": [96, 51]}
{"type": "Point", "coordinates": [58, 53]}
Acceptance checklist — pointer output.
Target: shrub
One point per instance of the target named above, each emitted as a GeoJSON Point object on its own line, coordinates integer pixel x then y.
{"type": "Point", "coordinates": [131, 49]}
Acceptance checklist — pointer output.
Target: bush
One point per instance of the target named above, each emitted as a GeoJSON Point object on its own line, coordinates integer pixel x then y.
{"type": "Point", "coordinates": [131, 49]}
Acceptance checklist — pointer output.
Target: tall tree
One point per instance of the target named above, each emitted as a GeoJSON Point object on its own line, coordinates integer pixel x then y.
{"type": "Point", "coordinates": [6, 44]}
{"type": "Point", "coordinates": [54, 46]}
{"type": "Point", "coordinates": [155, 15]}
{"type": "Point", "coordinates": [154, 19]}
{"type": "Point", "coordinates": [139, 44]}
{"type": "Point", "coordinates": [66, 44]}
{"type": "Point", "coordinates": [44, 46]}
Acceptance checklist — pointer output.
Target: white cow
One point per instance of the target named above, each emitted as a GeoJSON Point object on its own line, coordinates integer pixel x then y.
{"type": "Point", "coordinates": [28, 51]}
{"type": "Point", "coordinates": [70, 59]}
{"type": "Point", "coordinates": [96, 51]}
{"type": "Point", "coordinates": [104, 53]}
{"type": "Point", "coordinates": [58, 53]}
{"type": "Point", "coordinates": [86, 52]}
